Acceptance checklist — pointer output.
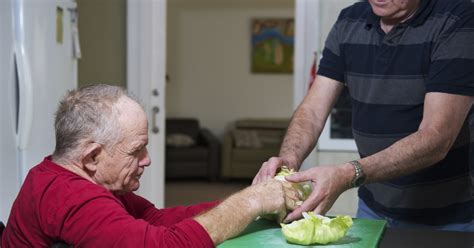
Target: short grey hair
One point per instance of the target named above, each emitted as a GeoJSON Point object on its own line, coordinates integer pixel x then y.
{"type": "Point", "coordinates": [87, 115]}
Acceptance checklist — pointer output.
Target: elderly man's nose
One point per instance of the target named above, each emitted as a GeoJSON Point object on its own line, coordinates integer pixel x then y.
{"type": "Point", "coordinates": [145, 161]}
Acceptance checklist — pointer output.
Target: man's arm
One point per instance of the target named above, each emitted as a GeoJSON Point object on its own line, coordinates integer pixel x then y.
{"type": "Point", "coordinates": [443, 117]}
{"type": "Point", "coordinates": [231, 216]}
{"type": "Point", "coordinates": [309, 119]}
{"type": "Point", "coordinates": [305, 127]}
{"type": "Point", "coordinates": [99, 219]}
{"type": "Point", "coordinates": [141, 208]}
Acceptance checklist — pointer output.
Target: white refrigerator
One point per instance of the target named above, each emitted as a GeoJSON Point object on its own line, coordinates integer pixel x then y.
{"type": "Point", "coordinates": [39, 48]}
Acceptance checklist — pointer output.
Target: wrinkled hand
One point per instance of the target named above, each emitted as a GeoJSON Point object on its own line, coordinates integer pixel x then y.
{"type": "Point", "coordinates": [328, 183]}
{"type": "Point", "coordinates": [292, 196]}
{"type": "Point", "coordinates": [276, 197]}
{"type": "Point", "coordinates": [269, 169]}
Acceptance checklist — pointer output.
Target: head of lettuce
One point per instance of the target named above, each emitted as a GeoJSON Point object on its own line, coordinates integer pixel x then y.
{"type": "Point", "coordinates": [316, 229]}
{"type": "Point", "coordinates": [312, 229]}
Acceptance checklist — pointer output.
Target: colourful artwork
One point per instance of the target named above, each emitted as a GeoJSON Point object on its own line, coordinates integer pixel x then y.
{"type": "Point", "coordinates": [272, 45]}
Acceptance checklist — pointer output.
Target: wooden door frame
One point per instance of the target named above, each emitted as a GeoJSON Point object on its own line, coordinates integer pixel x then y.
{"type": "Point", "coordinates": [146, 61]}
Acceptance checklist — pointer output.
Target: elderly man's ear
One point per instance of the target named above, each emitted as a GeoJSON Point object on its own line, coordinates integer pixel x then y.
{"type": "Point", "coordinates": [90, 156]}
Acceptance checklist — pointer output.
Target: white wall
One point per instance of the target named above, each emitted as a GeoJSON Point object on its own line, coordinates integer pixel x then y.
{"type": "Point", "coordinates": [209, 63]}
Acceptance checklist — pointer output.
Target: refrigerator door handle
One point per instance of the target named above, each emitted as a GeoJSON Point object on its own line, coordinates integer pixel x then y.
{"type": "Point", "coordinates": [25, 109]}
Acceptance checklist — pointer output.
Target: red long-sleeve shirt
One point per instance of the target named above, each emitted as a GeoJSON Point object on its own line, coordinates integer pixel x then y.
{"type": "Point", "coordinates": [55, 204]}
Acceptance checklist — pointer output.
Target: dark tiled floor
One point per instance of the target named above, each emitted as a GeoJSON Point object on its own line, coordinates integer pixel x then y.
{"type": "Point", "coordinates": [186, 192]}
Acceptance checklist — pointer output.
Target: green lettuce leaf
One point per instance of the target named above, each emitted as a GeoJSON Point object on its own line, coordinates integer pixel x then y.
{"type": "Point", "coordinates": [316, 229]}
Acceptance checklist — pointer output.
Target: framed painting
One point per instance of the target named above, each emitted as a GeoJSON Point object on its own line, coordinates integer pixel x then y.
{"type": "Point", "coordinates": [272, 45]}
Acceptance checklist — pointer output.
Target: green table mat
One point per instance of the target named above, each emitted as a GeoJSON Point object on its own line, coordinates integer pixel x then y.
{"type": "Point", "coordinates": [364, 233]}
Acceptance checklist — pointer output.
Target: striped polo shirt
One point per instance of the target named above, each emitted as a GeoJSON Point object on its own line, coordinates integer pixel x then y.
{"type": "Point", "coordinates": [388, 76]}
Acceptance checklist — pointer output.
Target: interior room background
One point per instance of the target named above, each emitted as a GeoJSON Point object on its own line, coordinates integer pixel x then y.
{"type": "Point", "coordinates": [208, 62]}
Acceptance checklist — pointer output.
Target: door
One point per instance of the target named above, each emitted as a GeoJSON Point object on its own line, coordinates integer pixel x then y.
{"type": "Point", "coordinates": [146, 55]}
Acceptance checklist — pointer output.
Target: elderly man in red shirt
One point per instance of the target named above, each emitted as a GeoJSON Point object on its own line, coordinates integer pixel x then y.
{"type": "Point", "coordinates": [82, 194]}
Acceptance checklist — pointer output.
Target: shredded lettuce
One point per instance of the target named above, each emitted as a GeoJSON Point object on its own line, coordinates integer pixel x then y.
{"type": "Point", "coordinates": [316, 229]}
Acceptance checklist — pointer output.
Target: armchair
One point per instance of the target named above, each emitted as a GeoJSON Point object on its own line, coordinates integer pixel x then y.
{"type": "Point", "coordinates": [191, 151]}
{"type": "Point", "coordinates": [249, 143]}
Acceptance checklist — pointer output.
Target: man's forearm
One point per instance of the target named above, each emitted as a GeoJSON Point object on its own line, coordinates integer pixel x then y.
{"type": "Point", "coordinates": [230, 217]}
{"type": "Point", "coordinates": [444, 115]}
{"type": "Point", "coordinates": [412, 153]}
{"type": "Point", "coordinates": [309, 119]}
{"type": "Point", "coordinates": [301, 137]}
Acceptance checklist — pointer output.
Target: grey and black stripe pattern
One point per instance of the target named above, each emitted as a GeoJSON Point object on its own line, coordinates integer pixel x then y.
{"type": "Point", "coordinates": [388, 76]}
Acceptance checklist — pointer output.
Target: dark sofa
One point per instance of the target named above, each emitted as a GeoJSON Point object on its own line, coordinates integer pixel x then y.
{"type": "Point", "coordinates": [191, 150]}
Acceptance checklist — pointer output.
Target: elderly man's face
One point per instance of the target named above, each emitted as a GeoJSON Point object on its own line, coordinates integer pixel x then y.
{"type": "Point", "coordinates": [121, 167]}
{"type": "Point", "coordinates": [393, 9]}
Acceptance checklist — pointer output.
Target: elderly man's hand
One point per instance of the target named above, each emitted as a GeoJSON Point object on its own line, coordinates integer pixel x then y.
{"type": "Point", "coordinates": [328, 183]}
{"type": "Point", "coordinates": [275, 197]}
{"type": "Point", "coordinates": [231, 216]}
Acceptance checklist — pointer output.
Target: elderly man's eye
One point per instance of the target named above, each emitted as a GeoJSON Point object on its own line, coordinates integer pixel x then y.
{"type": "Point", "coordinates": [138, 151]}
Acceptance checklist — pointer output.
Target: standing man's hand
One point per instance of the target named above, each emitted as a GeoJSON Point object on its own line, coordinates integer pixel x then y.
{"type": "Point", "coordinates": [328, 183]}
{"type": "Point", "coordinates": [269, 169]}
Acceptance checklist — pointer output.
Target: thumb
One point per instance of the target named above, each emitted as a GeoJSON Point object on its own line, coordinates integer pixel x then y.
{"type": "Point", "coordinates": [298, 177]}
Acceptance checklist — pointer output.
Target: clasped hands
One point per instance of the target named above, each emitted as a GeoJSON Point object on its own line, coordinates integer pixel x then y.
{"type": "Point", "coordinates": [276, 199]}
{"type": "Point", "coordinates": [328, 182]}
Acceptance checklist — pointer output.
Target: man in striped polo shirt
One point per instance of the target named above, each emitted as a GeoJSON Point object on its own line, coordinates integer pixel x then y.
{"type": "Point", "coordinates": [409, 68]}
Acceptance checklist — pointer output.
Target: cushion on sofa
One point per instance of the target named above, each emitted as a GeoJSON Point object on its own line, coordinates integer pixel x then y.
{"type": "Point", "coordinates": [187, 126]}
{"type": "Point", "coordinates": [180, 140]}
{"type": "Point", "coordinates": [246, 139]}
{"type": "Point", "coordinates": [249, 143]}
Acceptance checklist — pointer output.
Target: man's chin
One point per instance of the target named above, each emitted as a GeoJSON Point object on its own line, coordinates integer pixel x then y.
{"type": "Point", "coordinates": [135, 186]}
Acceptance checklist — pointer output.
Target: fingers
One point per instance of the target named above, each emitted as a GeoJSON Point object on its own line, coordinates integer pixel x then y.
{"type": "Point", "coordinates": [258, 177]}
{"type": "Point", "coordinates": [268, 170]}
{"type": "Point", "coordinates": [321, 209]}
{"type": "Point", "coordinates": [292, 196]}
{"type": "Point", "coordinates": [288, 195]}
{"type": "Point", "coordinates": [291, 199]}
{"type": "Point", "coordinates": [299, 177]}
{"type": "Point", "coordinates": [327, 186]}
{"type": "Point", "coordinates": [290, 204]}
{"type": "Point", "coordinates": [275, 198]}
{"type": "Point", "coordinates": [307, 205]}
{"type": "Point", "coordinates": [281, 216]}
{"type": "Point", "coordinates": [297, 213]}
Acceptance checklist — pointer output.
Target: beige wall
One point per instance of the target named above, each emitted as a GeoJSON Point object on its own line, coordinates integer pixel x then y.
{"type": "Point", "coordinates": [208, 63]}
{"type": "Point", "coordinates": [102, 31]}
